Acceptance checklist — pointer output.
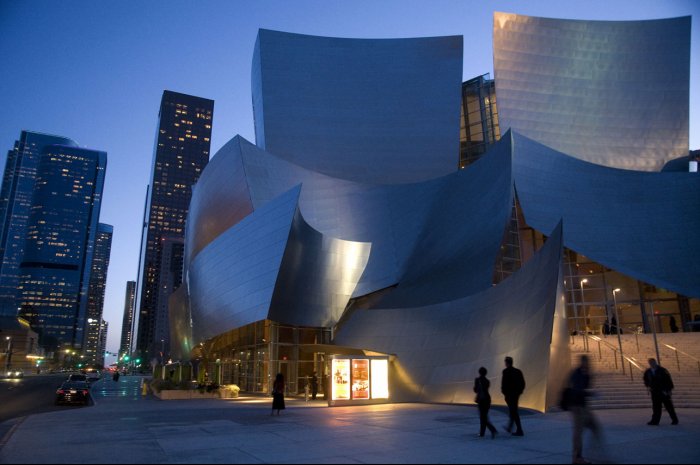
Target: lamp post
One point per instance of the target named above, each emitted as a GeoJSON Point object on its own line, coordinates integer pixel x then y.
{"type": "Point", "coordinates": [8, 353]}
{"type": "Point", "coordinates": [617, 326]}
{"type": "Point", "coordinates": [653, 329]}
{"type": "Point", "coordinates": [585, 316]}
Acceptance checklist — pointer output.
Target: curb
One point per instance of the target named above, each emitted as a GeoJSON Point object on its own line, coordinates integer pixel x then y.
{"type": "Point", "coordinates": [6, 438]}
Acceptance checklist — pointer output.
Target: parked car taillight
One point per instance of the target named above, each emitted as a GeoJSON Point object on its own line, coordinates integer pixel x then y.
{"type": "Point", "coordinates": [85, 392]}
{"type": "Point", "coordinates": [60, 391]}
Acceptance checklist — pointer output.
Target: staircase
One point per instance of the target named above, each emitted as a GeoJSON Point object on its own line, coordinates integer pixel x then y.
{"type": "Point", "coordinates": [616, 390]}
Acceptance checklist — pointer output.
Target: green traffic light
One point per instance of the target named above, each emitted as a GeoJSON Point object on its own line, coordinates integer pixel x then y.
{"type": "Point", "coordinates": [126, 358]}
{"type": "Point", "coordinates": [138, 360]}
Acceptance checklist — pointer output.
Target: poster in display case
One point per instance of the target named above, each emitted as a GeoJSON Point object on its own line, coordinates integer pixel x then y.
{"type": "Point", "coordinates": [380, 379]}
{"type": "Point", "coordinates": [341, 379]}
{"type": "Point", "coordinates": [360, 379]}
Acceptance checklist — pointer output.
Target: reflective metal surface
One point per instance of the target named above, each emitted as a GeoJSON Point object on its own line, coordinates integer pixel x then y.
{"type": "Point", "coordinates": [440, 347]}
{"type": "Point", "coordinates": [272, 265]}
{"type": "Point", "coordinates": [380, 111]}
{"type": "Point", "coordinates": [645, 225]}
{"type": "Point", "coordinates": [614, 93]}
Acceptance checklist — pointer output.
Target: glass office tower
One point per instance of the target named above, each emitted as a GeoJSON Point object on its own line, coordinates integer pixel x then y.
{"type": "Point", "coordinates": [181, 153]}
{"type": "Point", "coordinates": [60, 243]}
{"type": "Point", "coordinates": [96, 296]}
{"type": "Point", "coordinates": [128, 320]}
{"type": "Point", "coordinates": [16, 195]}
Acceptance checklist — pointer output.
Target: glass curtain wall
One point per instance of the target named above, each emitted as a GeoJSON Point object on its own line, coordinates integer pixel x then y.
{"type": "Point", "coordinates": [591, 305]}
{"type": "Point", "coordinates": [251, 356]}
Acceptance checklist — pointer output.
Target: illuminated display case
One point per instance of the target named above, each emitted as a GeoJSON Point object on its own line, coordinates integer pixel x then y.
{"type": "Point", "coordinates": [359, 381]}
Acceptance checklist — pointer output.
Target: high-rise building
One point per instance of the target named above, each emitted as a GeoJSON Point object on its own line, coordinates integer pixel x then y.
{"type": "Point", "coordinates": [172, 255]}
{"type": "Point", "coordinates": [16, 195]}
{"type": "Point", "coordinates": [96, 293]}
{"type": "Point", "coordinates": [102, 345]}
{"type": "Point", "coordinates": [128, 321]}
{"type": "Point", "coordinates": [61, 231]}
{"type": "Point", "coordinates": [181, 153]}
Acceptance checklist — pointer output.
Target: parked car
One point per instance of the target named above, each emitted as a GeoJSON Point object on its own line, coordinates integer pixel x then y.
{"type": "Point", "coordinates": [77, 378]}
{"type": "Point", "coordinates": [14, 374]}
{"type": "Point", "coordinates": [73, 392]}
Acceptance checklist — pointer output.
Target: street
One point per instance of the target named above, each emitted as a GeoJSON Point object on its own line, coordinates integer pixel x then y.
{"type": "Point", "coordinates": [27, 396]}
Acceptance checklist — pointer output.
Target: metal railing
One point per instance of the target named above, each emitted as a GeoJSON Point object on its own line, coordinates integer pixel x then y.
{"type": "Point", "coordinates": [678, 360]}
{"type": "Point", "coordinates": [630, 362]}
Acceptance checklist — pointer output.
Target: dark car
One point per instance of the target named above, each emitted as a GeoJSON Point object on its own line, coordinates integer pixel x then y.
{"type": "Point", "coordinates": [73, 392]}
{"type": "Point", "coordinates": [77, 378]}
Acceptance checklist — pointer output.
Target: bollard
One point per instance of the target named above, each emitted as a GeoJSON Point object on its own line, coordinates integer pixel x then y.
{"type": "Point", "coordinates": [144, 388]}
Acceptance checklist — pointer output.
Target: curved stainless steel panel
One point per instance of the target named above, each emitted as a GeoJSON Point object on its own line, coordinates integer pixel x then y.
{"type": "Point", "coordinates": [644, 225]}
{"type": "Point", "coordinates": [273, 265]}
{"type": "Point", "coordinates": [378, 111]}
{"type": "Point", "coordinates": [220, 199]}
{"type": "Point", "coordinates": [232, 280]}
{"type": "Point", "coordinates": [400, 220]}
{"type": "Point", "coordinates": [614, 93]}
{"type": "Point", "coordinates": [440, 348]}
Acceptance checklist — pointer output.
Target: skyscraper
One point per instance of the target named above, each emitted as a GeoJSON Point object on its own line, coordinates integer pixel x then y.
{"type": "Point", "coordinates": [181, 153]}
{"type": "Point", "coordinates": [61, 231]}
{"type": "Point", "coordinates": [96, 293]}
{"type": "Point", "coordinates": [128, 321]}
{"type": "Point", "coordinates": [102, 345]}
{"type": "Point", "coordinates": [16, 195]}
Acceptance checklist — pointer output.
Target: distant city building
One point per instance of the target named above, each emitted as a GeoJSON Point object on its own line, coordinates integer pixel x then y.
{"type": "Point", "coordinates": [96, 294]}
{"type": "Point", "coordinates": [61, 232]}
{"type": "Point", "coordinates": [128, 321]}
{"type": "Point", "coordinates": [18, 184]}
{"type": "Point", "coordinates": [181, 153]}
{"type": "Point", "coordinates": [102, 347]}
{"type": "Point", "coordinates": [173, 249]}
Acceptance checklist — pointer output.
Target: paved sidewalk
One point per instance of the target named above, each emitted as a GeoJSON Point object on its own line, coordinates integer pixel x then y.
{"type": "Point", "coordinates": [123, 427]}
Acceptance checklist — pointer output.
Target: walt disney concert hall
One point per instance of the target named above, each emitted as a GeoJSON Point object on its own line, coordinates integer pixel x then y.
{"type": "Point", "coordinates": [351, 240]}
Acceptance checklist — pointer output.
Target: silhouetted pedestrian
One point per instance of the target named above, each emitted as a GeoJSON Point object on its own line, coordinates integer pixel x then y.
{"type": "Point", "coordinates": [314, 386]}
{"type": "Point", "coordinates": [512, 387]}
{"type": "Point", "coordinates": [672, 323]}
{"type": "Point", "coordinates": [579, 390]}
{"type": "Point", "coordinates": [696, 325]}
{"type": "Point", "coordinates": [278, 394]}
{"type": "Point", "coordinates": [483, 400]}
{"type": "Point", "coordinates": [658, 381]}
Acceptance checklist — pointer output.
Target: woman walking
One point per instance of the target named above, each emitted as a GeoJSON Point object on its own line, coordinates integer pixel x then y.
{"type": "Point", "coordinates": [278, 394]}
{"type": "Point", "coordinates": [483, 400]}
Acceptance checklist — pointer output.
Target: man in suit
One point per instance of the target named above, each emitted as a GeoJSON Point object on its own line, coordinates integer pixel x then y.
{"type": "Point", "coordinates": [512, 387]}
{"type": "Point", "coordinates": [658, 381]}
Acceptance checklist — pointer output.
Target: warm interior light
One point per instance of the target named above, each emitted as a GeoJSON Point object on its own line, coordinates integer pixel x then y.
{"type": "Point", "coordinates": [340, 382]}
{"type": "Point", "coordinates": [380, 379]}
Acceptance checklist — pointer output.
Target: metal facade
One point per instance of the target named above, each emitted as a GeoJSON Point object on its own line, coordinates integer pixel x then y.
{"type": "Point", "coordinates": [614, 93]}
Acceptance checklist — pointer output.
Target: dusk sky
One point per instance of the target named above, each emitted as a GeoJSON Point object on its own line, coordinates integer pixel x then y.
{"type": "Point", "coordinates": [96, 71]}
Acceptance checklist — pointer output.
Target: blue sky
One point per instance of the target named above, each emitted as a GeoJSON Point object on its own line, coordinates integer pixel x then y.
{"type": "Point", "coordinates": [95, 72]}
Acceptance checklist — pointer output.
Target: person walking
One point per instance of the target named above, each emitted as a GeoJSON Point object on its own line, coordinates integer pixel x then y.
{"type": "Point", "coordinates": [658, 381]}
{"type": "Point", "coordinates": [577, 394]}
{"type": "Point", "coordinates": [512, 387]}
{"type": "Point", "coordinates": [483, 400]}
{"type": "Point", "coordinates": [278, 394]}
{"type": "Point", "coordinates": [314, 386]}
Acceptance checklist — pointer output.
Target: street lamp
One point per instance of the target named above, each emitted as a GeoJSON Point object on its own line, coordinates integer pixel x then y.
{"type": "Point", "coordinates": [8, 353]}
{"type": "Point", "coordinates": [585, 316]}
{"type": "Point", "coordinates": [617, 326]}
{"type": "Point", "coordinates": [653, 328]}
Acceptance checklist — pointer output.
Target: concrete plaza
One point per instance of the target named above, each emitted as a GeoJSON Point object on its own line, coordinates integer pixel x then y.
{"type": "Point", "coordinates": [124, 427]}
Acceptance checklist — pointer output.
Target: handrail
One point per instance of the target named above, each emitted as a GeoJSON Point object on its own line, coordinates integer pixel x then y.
{"type": "Point", "coordinates": [630, 361]}
{"type": "Point", "coordinates": [678, 361]}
